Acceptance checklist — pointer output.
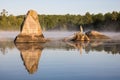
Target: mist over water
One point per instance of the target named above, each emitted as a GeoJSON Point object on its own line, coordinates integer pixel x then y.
{"type": "Point", "coordinates": [57, 34]}
{"type": "Point", "coordinates": [113, 35]}
{"type": "Point", "coordinates": [8, 34]}
{"type": "Point", "coordinates": [63, 34]}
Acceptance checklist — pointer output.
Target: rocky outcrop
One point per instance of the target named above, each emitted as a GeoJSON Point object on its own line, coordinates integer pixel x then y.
{"type": "Point", "coordinates": [30, 54]}
{"type": "Point", "coordinates": [90, 35]}
{"type": "Point", "coordinates": [30, 29]}
{"type": "Point", "coordinates": [78, 36]}
{"type": "Point", "coordinates": [96, 35]}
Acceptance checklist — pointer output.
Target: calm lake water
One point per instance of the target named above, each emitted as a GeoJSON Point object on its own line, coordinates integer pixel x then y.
{"type": "Point", "coordinates": [58, 60]}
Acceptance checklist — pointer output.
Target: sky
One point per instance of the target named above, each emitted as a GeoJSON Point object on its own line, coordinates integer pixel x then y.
{"type": "Point", "coordinates": [20, 7]}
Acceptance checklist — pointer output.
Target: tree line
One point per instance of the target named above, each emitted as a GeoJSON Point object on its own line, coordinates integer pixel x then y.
{"type": "Point", "coordinates": [108, 21]}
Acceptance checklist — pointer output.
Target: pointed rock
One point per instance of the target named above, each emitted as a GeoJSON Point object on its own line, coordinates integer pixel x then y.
{"type": "Point", "coordinates": [30, 29]}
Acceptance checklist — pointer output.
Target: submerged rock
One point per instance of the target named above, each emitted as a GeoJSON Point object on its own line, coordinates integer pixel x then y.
{"type": "Point", "coordinates": [96, 35]}
{"type": "Point", "coordinates": [30, 29]}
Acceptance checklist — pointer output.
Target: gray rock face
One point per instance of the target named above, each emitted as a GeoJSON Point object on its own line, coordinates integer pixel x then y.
{"type": "Point", "coordinates": [30, 29]}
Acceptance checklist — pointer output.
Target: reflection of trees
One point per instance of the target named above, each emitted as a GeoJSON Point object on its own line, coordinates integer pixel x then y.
{"type": "Point", "coordinates": [113, 49]}
{"type": "Point", "coordinates": [4, 45]}
{"type": "Point", "coordinates": [109, 47]}
{"type": "Point", "coordinates": [30, 54]}
{"type": "Point", "coordinates": [106, 46]}
{"type": "Point", "coordinates": [57, 45]}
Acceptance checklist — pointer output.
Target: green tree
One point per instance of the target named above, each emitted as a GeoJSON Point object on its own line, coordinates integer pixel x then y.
{"type": "Point", "coordinates": [114, 15]}
{"type": "Point", "coordinates": [108, 17]}
{"type": "Point", "coordinates": [88, 18]}
{"type": "Point", "coordinates": [4, 12]}
{"type": "Point", "coordinates": [98, 18]}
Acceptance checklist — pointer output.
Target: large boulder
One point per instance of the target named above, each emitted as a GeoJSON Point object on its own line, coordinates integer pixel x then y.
{"type": "Point", "coordinates": [96, 35]}
{"type": "Point", "coordinates": [30, 29]}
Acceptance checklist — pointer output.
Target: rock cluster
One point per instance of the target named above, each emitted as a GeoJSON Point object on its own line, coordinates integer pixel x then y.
{"type": "Point", "coordinates": [90, 35]}
{"type": "Point", "coordinates": [31, 31]}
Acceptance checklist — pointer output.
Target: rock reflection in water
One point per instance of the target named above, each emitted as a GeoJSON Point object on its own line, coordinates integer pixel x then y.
{"type": "Point", "coordinates": [30, 54]}
{"type": "Point", "coordinates": [111, 47]}
{"type": "Point", "coordinates": [80, 45]}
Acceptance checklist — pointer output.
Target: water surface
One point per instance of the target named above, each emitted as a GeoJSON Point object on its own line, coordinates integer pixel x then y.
{"type": "Point", "coordinates": [58, 60]}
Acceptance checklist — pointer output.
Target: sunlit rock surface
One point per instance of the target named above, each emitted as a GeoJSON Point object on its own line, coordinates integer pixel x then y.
{"type": "Point", "coordinates": [96, 35]}
{"type": "Point", "coordinates": [30, 54]}
{"type": "Point", "coordinates": [90, 35]}
{"type": "Point", "coordinates": [78, 36]}
{"type": "Point", "coordinates": [30, 29]}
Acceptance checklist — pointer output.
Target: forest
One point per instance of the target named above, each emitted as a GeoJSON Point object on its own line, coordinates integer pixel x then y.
{"type": "Point", "coordinates": [106, 22]}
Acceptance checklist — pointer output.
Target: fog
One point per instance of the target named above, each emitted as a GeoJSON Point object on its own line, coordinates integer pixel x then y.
{"type": "Point", "coordinates": [113, 35]}
{"type": "Point", "coordinates": [57, 34]}
{"type": "Point", "coordinates": [62, 34]}
{"type": "Point", "coordinates": [8, 35]}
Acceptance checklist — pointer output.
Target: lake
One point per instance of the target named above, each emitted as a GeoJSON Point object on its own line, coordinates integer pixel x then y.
{"type": "Point", "coordinates": [59, 60]}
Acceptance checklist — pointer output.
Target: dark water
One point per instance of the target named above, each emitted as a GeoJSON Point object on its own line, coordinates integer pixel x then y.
{"type": "Point", "coordinates": [58, 60]}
